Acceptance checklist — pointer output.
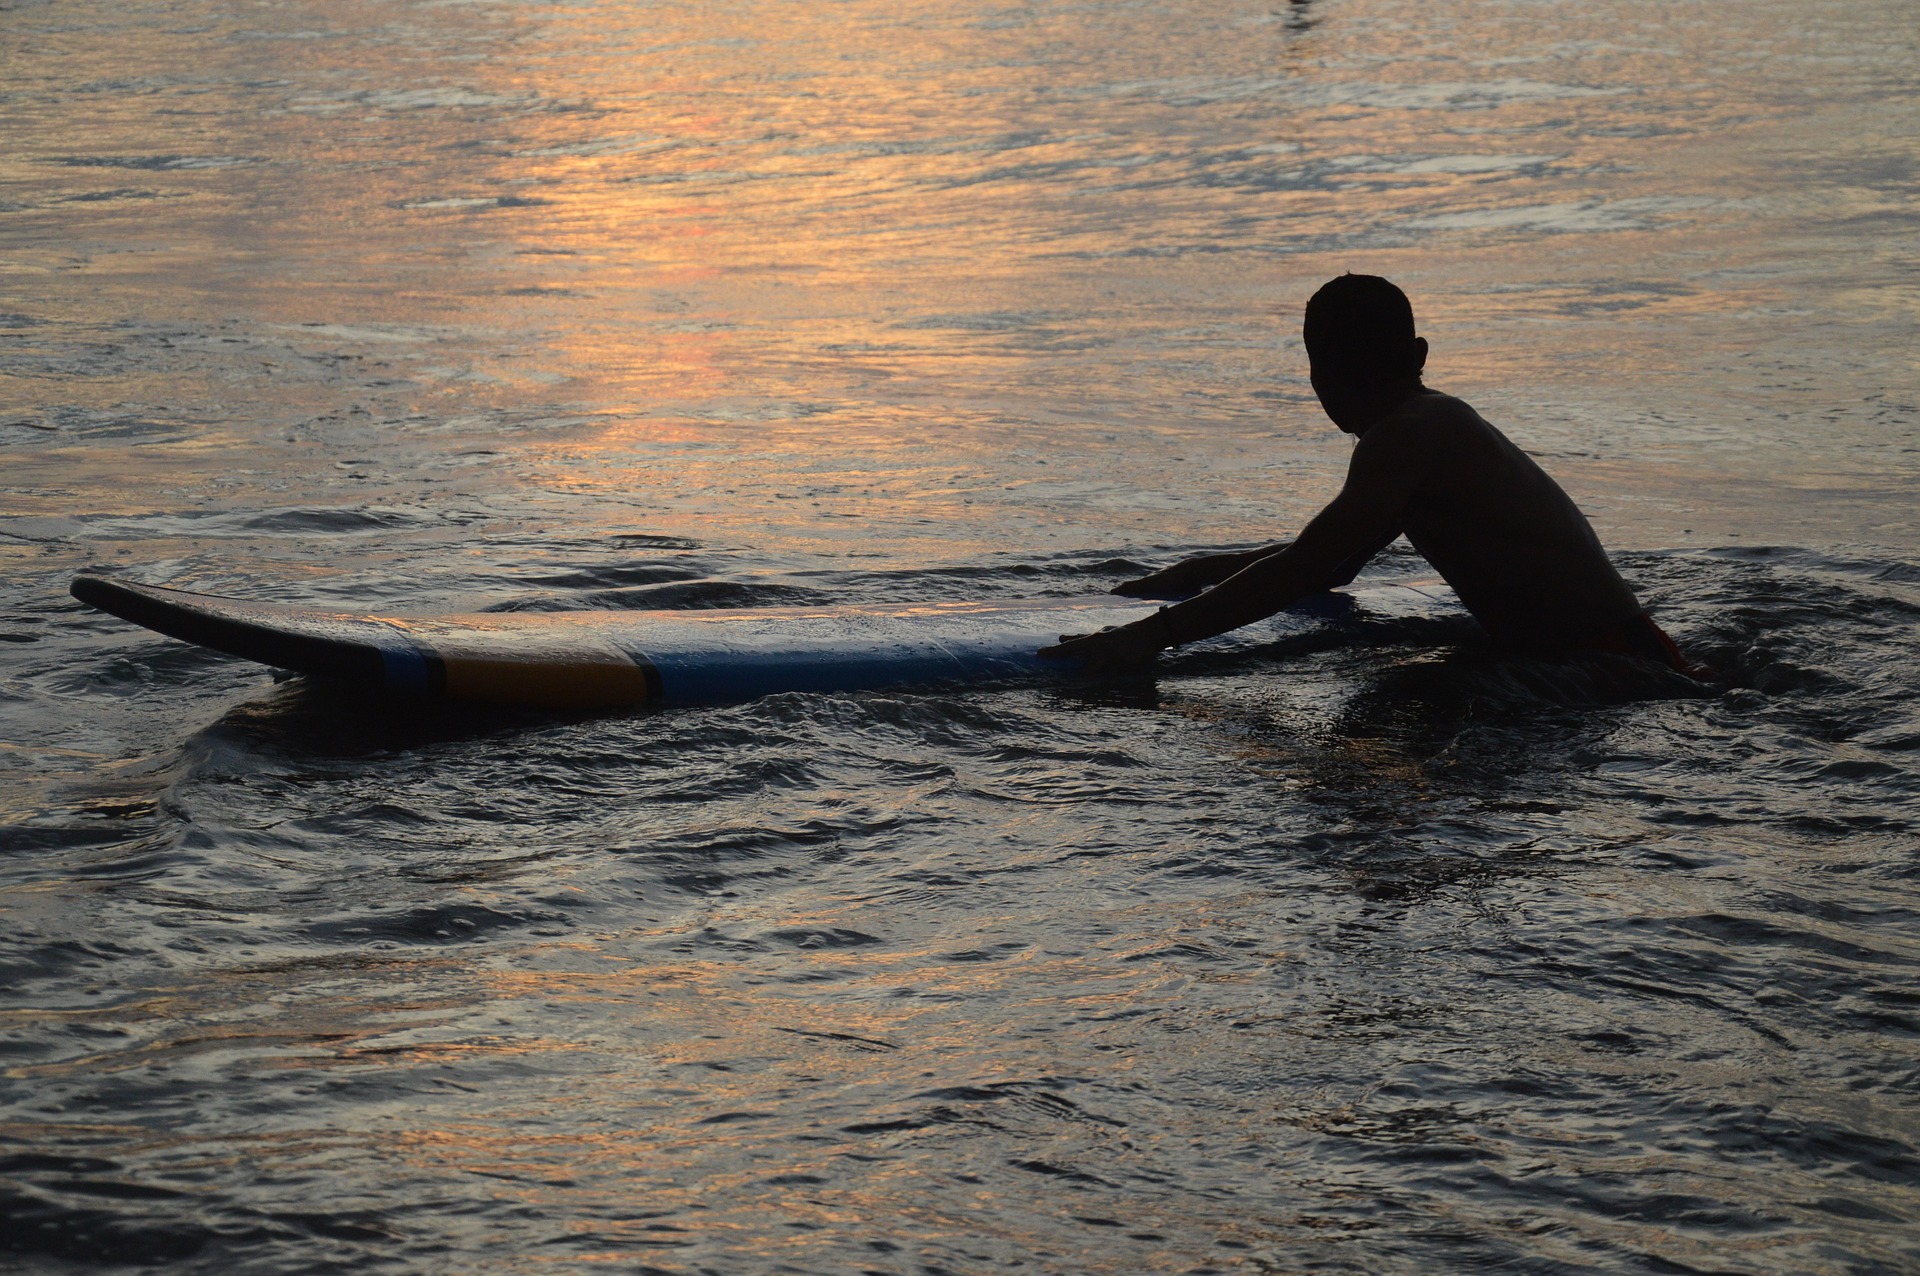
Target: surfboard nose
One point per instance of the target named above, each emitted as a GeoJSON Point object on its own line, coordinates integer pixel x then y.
{"type": "Point", "coordinates": [92, 590]}
{"type": "Point", "coordinates": [333, 648]}
{"type": "Point", "coordinates": [119, 598]}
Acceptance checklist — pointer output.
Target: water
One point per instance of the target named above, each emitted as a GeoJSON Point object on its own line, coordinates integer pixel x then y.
{"type": "Point", "coordinates": [1384, 957]}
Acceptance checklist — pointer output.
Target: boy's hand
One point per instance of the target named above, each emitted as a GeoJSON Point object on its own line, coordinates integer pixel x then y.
{"type": "Point", "coordinates": [1177, 581]}
{"type": "Point", "coordinates": [1183, 580]}
{"type": "Point", "coordinates": [1113, 650]}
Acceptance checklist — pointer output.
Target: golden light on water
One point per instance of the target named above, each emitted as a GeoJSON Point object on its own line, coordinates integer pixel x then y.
{"type": "Point", "coordinates": [824, 240]}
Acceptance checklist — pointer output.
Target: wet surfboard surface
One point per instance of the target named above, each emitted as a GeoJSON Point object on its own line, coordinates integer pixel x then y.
{"type": "Point", "coordinates": [613, 659]}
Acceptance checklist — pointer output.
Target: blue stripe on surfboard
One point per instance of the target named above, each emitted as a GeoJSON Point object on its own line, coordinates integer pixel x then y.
{"type": "Point", "coordinates": [696, 678]}
{"type": "Point", "coordinates": [407, 669]}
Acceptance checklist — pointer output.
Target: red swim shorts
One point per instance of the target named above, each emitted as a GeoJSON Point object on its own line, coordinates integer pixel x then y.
{"type": "Point", "coordinates": [1641, 638]}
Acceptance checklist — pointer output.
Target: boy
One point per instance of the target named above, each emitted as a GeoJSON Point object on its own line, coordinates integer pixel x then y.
{"type": "Point", "coordinates": [1520, 555]}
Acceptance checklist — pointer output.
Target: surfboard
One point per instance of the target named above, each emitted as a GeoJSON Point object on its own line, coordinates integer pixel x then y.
{"type": "Point", "coordinates": [612, 659]}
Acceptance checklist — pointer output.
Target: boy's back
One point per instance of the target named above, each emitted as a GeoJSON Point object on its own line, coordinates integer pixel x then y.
{"type": "Point", "coordinates": [1513, 545]}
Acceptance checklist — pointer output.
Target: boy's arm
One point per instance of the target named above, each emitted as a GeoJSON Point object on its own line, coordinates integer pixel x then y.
{"type": "Point", "coordinates": [1362, 519]}
{"type": "Point", "coordinates": [1351, 527]}
{"type": "Point", "coordinates": [1355, 563]}
{"type": "Point", "coordinates": [1192, 575]}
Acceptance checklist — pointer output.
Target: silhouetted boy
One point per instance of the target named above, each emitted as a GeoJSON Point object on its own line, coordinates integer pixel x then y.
{"type": "Point", "coordinates": [1514, 547]}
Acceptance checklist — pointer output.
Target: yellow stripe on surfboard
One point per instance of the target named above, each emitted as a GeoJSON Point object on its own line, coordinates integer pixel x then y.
{"type": "Point", "coordinates": [557, 667]}
{"type": "Point", "coordinates": [572, 686]}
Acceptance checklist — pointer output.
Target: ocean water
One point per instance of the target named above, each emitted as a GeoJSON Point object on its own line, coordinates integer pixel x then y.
{"type": "Point", "coordinates": [1381, 956]}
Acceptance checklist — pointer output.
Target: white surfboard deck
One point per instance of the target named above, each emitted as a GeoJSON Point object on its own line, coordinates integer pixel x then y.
{"type": "Point", "coordinates": [606, 659]}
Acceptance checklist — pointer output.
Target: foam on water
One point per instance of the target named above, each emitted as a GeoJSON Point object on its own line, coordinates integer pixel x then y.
{"type": "Point", "coordinates": [1383, 955]}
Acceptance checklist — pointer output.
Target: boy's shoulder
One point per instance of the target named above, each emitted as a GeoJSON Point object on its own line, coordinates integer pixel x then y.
{"type": "Point", "coordinates": [1432, 408]}
{"type": "Point", "coordinates": [1426, 419]}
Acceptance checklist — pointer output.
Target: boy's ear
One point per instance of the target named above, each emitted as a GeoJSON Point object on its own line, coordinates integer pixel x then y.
{"type": "Point", "coordinates": [1419, 355]}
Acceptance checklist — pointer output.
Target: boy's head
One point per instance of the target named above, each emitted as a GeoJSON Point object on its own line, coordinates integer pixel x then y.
{"type": "Point", "coordinates": [1361, 346]}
